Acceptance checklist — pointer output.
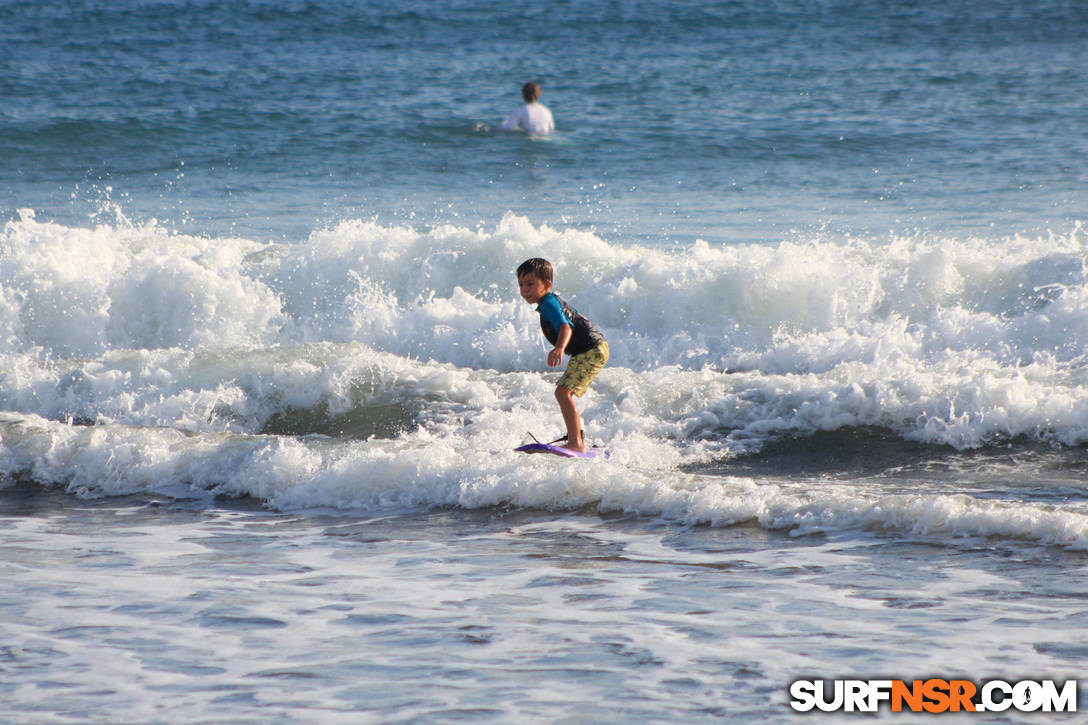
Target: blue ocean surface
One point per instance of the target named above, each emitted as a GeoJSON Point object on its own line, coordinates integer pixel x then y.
{"type": "Point", "coordinates": [734, 121]}
{"type": "Point", "coordinates": [263, 361]}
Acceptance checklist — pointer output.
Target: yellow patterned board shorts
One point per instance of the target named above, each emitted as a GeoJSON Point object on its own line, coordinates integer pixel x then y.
{"type": "Point", "coordinates": [581, 369]}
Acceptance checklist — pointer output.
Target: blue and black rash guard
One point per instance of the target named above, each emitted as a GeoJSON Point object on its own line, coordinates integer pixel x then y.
{"type": "Point", "coordinates": [554, 313]}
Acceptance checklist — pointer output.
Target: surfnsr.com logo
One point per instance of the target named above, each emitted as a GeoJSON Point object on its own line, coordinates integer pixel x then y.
{"type": "Point", "coordinates": [933, 696]}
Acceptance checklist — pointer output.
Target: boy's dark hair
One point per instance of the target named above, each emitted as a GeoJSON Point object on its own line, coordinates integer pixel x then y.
{"type": "Point", "coordinates": [530, 92]}
{"type": "Point", "coordinates": [538, 267]}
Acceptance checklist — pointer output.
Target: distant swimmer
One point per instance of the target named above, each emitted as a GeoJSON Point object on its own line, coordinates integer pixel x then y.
{"type": "Point", "coordinates": [533, 117]}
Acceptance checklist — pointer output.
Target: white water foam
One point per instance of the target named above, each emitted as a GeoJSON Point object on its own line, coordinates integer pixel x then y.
{"type": "Point", "coordinates": [420, 471]}
{"type": "Point", "coordinates": [413, 357]}
{"type": "Point", "coordinates": [946, 341]}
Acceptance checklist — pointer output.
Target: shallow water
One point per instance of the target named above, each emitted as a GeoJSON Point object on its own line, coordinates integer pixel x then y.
{"type": "Point", "coordinates": [165, 611]}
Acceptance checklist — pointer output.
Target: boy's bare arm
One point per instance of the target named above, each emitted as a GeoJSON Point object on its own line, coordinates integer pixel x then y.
{"type": "Point", "coordinates": [555, 357]}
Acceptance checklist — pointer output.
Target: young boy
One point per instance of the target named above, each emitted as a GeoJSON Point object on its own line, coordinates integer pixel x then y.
{"type": "Point", "coordinates": [571, 334]}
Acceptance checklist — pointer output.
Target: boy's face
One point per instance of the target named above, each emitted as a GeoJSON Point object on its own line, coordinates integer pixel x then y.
{"type": "Point", "coordinates": [532, 288]}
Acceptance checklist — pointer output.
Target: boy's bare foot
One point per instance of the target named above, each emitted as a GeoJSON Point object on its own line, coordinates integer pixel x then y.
{"type": "Point", "coordinates": [580, 446]}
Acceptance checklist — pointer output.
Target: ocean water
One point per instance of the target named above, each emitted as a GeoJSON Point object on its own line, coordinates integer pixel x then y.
{"type": "Point", "coordinates": [264, 361]}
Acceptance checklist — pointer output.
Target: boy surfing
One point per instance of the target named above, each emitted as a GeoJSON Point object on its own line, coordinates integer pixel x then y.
{"type": "Point", "coordinates": [570, 334]}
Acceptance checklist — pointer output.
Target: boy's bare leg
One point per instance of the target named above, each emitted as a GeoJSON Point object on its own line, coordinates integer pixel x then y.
{"type": "Point", "coordinates": [570, 418]}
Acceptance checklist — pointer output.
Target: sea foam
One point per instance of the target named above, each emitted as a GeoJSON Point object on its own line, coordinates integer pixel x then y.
{"type": "Point", "coordinates": [419, 471]}
{"type": "Point", "coordinates": [372, 365]}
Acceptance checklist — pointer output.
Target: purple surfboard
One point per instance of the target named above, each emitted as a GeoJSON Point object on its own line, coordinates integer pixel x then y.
{"type": "Point", "coordinates": [560, 451]}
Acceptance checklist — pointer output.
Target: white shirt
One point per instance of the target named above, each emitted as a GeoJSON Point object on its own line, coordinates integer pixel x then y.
{"type": "Point", "coordinates": [532, 117]}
